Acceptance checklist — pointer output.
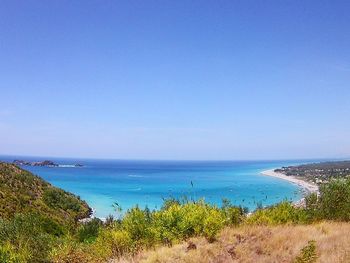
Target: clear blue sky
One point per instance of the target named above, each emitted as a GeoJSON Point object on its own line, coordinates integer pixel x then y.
{"type": "Point", "coordinates": [175, 79]}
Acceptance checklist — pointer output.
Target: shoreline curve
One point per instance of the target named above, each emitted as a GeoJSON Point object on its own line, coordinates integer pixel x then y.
{"type": "Point", "coordinates": [310, 187]}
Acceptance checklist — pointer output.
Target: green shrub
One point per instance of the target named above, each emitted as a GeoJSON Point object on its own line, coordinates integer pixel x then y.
{"type": "Point", "coordinates": [57, 198]}
{"type": "Point", "coordinates": [113, 243]}
{"type": "Point", "coordinates": [167, 224]}
{"type": "Point", "coordinates": [177, 221]}
{"type": "Point", "coordinates": [281, 213]}
{"type": "Point", "coordinates": [88, 232]}
{"type": "Point", "coordinates": [192, 218]}
{"type": "Point", "coordinates": [51, 227]}
{"type": "Point", "coordinates": [68, 250]}
{"type": "Point", "coordinates": [333, 202]}
{"type": "Point", "coordinates": [9, 255]}
{"type": "Point", "coordinates": [312, 207]}
{"type": "Point", "coordinates": [307, 254]}
{"type": "Point", "coordinates": [25, 238]}
{"type": "Point", "coordinates": [214, 222]}
{"type": "Point", "coordinates": [234, 215]}
{"type": "Point", "coordinates": [168, 202]}
{"type": "Point", "coordinates": [137, 223]}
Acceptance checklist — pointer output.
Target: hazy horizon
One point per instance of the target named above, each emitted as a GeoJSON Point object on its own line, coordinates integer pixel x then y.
{"type": "Point", "coordinates": [199, 80]}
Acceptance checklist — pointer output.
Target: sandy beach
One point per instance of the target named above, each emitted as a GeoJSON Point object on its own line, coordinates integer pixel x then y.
{"type": "Point", "coordinates": [310, 187]}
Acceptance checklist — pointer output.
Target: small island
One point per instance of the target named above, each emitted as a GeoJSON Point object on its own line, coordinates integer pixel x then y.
{"type": "Point", "coordinates": [45, 163]}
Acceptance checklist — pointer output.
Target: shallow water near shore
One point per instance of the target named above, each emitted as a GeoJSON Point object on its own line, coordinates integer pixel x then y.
{"type": "Point", "coordinates": [147, 183]}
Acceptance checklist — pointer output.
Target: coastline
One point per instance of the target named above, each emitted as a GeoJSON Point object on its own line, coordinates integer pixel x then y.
{"type": "Point", "coordinates": [89, 218]}
{"type": "Point", "coordinates": [309, 187]}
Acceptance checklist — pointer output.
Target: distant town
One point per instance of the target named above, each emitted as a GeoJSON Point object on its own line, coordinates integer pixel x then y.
{"type": "Point", "coordinates": [318, 172]}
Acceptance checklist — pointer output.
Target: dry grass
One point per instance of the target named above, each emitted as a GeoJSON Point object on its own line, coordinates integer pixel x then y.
{"type": "Point", "coordinates": [259, 244]}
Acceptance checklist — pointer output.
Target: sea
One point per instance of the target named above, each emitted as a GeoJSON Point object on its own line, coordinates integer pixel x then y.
{"type": "Point", "coordinates": [144, 183]}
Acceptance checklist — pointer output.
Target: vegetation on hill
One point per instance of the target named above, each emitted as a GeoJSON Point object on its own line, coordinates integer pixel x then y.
{"type": "Point", "coordinates": [33, 215]}
{"type": "Point", "coordinates": [23, 192]}
{"type": "Point", "coordinates": [34, 227]}
{"type": "Point", "coordinates": [323, 242]}
{"type": "Point", "coordinates": [319, 172]}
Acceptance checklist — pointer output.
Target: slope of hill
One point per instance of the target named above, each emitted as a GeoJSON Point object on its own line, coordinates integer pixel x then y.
{"type": "Point", "coordinates": [322, 242]}
{"type": "Point", "coordinates": [23, 192]}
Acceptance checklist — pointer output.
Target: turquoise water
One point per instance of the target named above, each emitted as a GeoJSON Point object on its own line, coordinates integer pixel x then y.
{"type": "Point", "coordinates": [146, 183]}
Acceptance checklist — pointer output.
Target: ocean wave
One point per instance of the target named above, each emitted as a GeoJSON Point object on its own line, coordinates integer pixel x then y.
{"type": "Point", "coordinates": [135, 176]}
{"type": "Point", "coordinates": [136, 189]}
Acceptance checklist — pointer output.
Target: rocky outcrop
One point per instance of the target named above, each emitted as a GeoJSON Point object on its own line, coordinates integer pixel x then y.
{"type": "Point", "coordinates": [47, 163]}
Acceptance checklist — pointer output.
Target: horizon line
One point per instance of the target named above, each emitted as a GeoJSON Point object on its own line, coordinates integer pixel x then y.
{"type": "Point", "coordinates": [179, 160]}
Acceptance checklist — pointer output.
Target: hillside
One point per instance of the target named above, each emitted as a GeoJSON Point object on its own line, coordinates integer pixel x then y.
{"type": "Point", "coordinates": [23, 192]}
{"type": "Point", "coordinates": [322, 242]}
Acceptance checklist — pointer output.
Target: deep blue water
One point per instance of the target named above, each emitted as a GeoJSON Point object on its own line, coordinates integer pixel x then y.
{"type": "Point", "coordinates": [103, 182]}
